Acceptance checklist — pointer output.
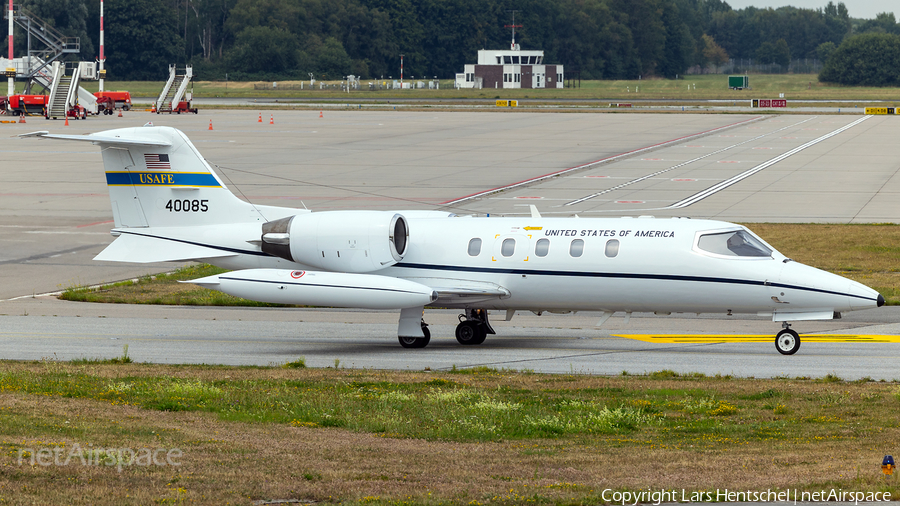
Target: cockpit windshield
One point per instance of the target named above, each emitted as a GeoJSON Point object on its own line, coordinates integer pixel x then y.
{"type": "Point", "coordinates": [736, 243]}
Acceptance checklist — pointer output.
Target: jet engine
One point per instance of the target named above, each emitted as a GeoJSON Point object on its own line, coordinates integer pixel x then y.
{"type": "Point", "coordinates": [342, 241]}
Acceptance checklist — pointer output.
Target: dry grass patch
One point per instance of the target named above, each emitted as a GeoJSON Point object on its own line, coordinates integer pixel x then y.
{"type": "Point", "coordinates": [254, 433]}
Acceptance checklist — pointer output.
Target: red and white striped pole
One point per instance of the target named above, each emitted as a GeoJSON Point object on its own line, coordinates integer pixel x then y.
{"type": "Point", "coordinates": [102, 57]}
{"type": "Point", "coordinates": [401, 68]}
{"type": "Point", "coordinates": [11, 88]}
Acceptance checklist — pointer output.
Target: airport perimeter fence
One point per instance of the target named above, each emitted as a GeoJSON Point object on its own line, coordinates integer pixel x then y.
{"type": "Point", "coordinates": [747, 66]}
{"type": "Point", "coordinates": [354, 85]}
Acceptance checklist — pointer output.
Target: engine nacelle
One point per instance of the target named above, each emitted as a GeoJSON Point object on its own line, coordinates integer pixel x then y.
{"type": "Point", "coordinates": [341, 241]}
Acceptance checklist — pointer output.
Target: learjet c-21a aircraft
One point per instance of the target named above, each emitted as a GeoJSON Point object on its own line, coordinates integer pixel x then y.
{"type": "Point", "coordinates": [169, 205]}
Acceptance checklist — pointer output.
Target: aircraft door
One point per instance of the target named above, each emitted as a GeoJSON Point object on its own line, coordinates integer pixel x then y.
{"type": "Point", "coordinates": [779, 297]}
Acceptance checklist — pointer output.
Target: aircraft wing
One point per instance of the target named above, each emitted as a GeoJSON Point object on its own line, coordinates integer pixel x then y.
{"type": "Point", "coordinates": [462, 290]}
{"type": "Point", "coordinates": [144, 249]}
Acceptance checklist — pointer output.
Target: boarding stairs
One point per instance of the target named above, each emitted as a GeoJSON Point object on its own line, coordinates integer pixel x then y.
{"type": "Point", "coordinates": [56, 76]}
{"type": "Point", "coordinates": [174, 90]}
{"type": "Point", "coordinates": [65, 93]}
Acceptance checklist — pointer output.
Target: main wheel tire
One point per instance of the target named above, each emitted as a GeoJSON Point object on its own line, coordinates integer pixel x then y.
{"type": "Point", "coordinates": [787, 342]}
{"type": "Point", "coordinates": [470, 332]}
{"type": "Point", "coordinates": [416, 342]}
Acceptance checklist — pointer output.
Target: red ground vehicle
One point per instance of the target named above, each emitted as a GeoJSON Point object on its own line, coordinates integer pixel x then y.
{"type": "Point", "coordinates": [77, 112]}
{"type": "Point", "coordinates": [27, 104]}
{"type": "Point", "coordinates": [121, 98]}
{"type": "Point", "coordinates": [105, 105]}
{"type": "Point", "coordinates": [184, 107]}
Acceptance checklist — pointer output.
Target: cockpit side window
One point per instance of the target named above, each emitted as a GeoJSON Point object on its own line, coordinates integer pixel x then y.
{"type": "Point", "coordinates": [736, 243]}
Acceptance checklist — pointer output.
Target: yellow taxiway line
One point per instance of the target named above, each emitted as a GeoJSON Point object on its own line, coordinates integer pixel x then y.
{"type": "Point", "coordinates": [758, 338]}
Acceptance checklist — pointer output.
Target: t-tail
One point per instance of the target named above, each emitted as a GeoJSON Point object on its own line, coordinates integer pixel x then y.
{"type": "Point", "coordinates": [157, 178]}
{"type": "Point", "coordinates": [163, 193]}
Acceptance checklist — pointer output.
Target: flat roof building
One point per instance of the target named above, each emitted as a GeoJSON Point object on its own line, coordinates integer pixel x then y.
{"type": "Point", "coordinates": [510, 68]}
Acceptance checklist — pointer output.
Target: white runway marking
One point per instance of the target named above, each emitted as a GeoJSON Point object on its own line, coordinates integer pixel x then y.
{"type": "Point", "coordinates": [648, 176]}
{"type": "Point", "coordinates": [697, 197]}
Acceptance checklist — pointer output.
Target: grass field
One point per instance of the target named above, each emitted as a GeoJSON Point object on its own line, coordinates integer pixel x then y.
{"type": "Point", "coordinates": [869, 254]}
{"type": "Point", "coordinates": [700, 87]}
{"type": "Point", "coordinates": [470, 437]}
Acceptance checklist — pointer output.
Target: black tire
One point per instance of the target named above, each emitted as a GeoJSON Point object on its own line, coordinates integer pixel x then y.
{"type": "Point", "coordinates": [416, 342]}
{"type": "Point", "coordinates": [470, 332]}
{"type": "Point", "coordinates": [787, 342]}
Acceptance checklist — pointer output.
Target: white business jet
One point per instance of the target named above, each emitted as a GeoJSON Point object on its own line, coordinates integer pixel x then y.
{"type": "Point", "coordinates": [169, 205]}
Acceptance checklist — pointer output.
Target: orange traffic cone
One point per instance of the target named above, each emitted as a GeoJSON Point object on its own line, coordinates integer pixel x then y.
{"type": "Point", "coordinates": [320, 114]}
{"type": "Point", "coordinates": [120, 113]}
{"type": "Point", "coordinates": [260, 118]}
{"type": "Point", "coordinates": [210, 124]}
{"type": "Point", "coordinates": [22, 118]}
{"type": "Point", "coordinates": [67, 120]}
{"type": "Point", "coordinates": [272, 119]}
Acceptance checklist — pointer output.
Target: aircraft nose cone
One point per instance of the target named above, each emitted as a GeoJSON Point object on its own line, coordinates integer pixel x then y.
{"type": "Point", "coordinates": [880, 300]}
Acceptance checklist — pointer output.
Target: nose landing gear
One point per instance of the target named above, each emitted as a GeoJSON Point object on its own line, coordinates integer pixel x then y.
{"type": "Point", "coordinates": [787, 342]}
{"type": "Point", "coordinates": [473, 327]}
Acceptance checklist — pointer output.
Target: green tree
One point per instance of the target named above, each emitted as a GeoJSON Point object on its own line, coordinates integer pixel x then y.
{"type": "Point", "coordinates": [883, 23]}
{"type": "Point", "coordinates": [777, 52]}
{"type": "Point", "coordinates": [264, 50]}
{"type": "Point", "coordinates": [332, 60]}
{"type": "Point", "coordinates": [142, 40]}
{"type": "Point", "coordinates": [871, 59]}
{"type": "Point", "coordinates": [823, 52]}
{"type": "Point", "coordinates": [713, 54]}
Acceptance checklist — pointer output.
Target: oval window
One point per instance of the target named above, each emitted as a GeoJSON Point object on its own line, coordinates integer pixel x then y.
{"type": "Point", "coordinates": [612, 248]}
{"type": "Point", "coordinates": [474, 247]}
{"type": "Point", "coordinates": [576, 248]}
{"type": "Point", "coordinates": [508, 247]}
{"type": "Point", "coordinates": [542, 247]}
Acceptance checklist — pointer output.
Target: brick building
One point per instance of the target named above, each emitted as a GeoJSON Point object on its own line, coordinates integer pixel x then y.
{"type": "Point", "coordinates": [510, 68]}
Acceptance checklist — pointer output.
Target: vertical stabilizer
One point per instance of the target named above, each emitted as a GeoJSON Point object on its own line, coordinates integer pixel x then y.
{"type": "Point", "coordinates": [157, 178]}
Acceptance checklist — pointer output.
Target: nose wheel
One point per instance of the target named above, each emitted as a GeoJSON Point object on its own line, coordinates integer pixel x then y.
{"type": "Point", "coordinates": [787, 342]}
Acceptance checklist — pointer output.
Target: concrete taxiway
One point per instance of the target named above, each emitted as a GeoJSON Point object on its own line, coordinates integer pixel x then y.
{"type": "Point", "coordinates": [46, 328]}
{"type": "Point", "coordinates": [55, 216]}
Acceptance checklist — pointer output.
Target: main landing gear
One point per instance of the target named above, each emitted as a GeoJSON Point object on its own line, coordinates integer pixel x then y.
{"type": "Point", "coordinates": [787, 342]}
{"type": "Point", "coordinates": [416, 342]}
{"type": "Point", "coordinates": [473, 327]}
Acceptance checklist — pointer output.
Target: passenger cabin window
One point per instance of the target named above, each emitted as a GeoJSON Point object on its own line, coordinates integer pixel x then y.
{"type": "Point", "coordinates": [508, 247]}
{"type": "Point", "coordinates": [737, 243]}
{"type": "Point", "coordinates": [576, 248]}
{"type": "Point", "coordinates": [612, 248]}
{"type": "Point", "coordinates": [542, 247]}
{"type": "Point", "coordinates": [474, 247]}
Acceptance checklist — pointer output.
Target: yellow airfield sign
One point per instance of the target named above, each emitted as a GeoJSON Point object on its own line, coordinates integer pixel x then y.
{"type": "Point", "coordinates": [758, 338]}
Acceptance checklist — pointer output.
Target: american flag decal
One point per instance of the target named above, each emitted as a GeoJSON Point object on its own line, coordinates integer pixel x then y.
{"type": "Point", "coordinates": [157, 162]}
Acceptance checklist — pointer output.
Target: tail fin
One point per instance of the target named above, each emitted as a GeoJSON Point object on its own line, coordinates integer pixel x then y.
{"type": "Point", "coordinates": [157, 178]}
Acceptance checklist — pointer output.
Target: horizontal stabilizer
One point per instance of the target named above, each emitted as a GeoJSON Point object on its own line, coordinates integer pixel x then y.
{"type": "Point", "coordinates": [142, 249]}
{"type": "Point", "coordinates": [43, 134]}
